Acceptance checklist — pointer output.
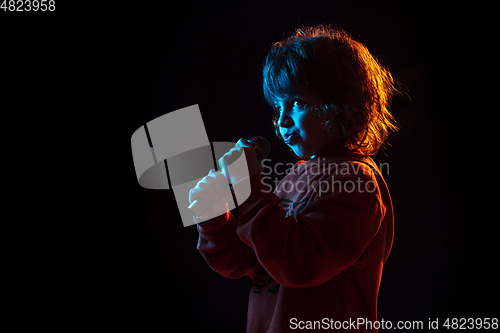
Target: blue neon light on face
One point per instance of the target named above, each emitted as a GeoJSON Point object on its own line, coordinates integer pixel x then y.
{"type": "Point", "coordinates": [301, 129]}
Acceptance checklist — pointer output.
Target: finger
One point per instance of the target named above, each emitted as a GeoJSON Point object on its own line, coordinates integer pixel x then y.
{"type": "Point", "coordinates": [218, 186]}
{"type": "Point", "coordinates": [243, 143]}
{"type": "Point", "coordinates": [198, 193]}
{"type": "Point", "coordinates": [222, 180]}
{"type": "Point", "coordinates": [205, 186]}
{"type": "Point", "coordinates": [229, 157]}
{"type": "Point", "coordinates": [195, 193]}
{"type": "Point", "coordinates": [216, 209]}
{"type": "Point", "coordinates": [208, 215]}
{"type": "Point", "coordinates": [226, 197]}
{"type": "Point", "coordinates": [215, 185]}
{"type": "Point", "coordinates": [218, 206]}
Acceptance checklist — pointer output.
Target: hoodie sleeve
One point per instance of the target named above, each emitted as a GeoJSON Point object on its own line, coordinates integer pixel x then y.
{"type": "Point", "coordinates": [325, 238]}
{"type": "Point", "coordinates": [223, 250]}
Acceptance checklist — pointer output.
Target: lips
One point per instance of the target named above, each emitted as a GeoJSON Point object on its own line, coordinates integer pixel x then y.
{"type": "Point", "coordinates": [289, 137]}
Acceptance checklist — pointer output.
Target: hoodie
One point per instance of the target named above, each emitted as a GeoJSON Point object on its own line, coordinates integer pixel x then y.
{"type": "Point", "coordinates": [314, 248]}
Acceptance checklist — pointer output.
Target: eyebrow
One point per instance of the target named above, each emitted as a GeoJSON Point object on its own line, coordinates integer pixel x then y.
{"type": "Point", "coordinates": [296, 96]}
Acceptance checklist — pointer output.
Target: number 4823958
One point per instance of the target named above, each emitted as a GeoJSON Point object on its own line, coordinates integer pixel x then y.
{"type": "Point", "coordinates": [28, 5]}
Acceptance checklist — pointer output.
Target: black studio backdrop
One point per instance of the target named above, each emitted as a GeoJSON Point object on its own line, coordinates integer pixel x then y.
{"type": "Point", "coordinates": [164, 58]}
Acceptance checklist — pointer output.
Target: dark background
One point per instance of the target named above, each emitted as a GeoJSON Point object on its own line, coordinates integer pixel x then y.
{"type": "Point", "coordinates": [211, 54]}
{"type": "Point", "coordinates": [88, 76]}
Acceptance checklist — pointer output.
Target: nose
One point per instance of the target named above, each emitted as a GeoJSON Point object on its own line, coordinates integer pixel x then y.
{"type": "Point", "coordinates": [285, 120]}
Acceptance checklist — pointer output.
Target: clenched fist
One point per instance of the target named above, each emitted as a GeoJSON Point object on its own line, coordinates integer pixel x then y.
{"type": "Point", "coordinates": [214, 186]}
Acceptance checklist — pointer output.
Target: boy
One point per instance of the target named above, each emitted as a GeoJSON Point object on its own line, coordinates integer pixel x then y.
{"type": "Point", "coordinates": [314, 248]}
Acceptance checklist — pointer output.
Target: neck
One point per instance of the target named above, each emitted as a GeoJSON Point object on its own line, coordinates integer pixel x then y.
{"type": "Point", "coordinates": [331, 151]}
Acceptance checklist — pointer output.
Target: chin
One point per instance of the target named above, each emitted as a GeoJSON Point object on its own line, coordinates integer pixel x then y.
{"type": "Point", "coordinates": [300, 154]}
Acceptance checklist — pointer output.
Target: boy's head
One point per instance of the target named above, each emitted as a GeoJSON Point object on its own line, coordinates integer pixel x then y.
{"type": "Point", "coordinates": [330, 93]}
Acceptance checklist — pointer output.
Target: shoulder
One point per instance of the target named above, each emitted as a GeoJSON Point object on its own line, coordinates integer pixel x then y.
{"type": "Point", "coordinates": [347, 176]}
{"type": "Point", "coordinates": [358, 171]}
{"type": "Point", "coordinates": [348, 165]}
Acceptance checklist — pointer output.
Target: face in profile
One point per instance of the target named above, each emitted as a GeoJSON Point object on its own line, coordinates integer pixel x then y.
{"type": "Point", "coordinates": [299, 126]}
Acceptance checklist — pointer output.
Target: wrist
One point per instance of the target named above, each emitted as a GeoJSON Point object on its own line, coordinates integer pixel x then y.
{"type": "Point", "coordinates": [212, 225]}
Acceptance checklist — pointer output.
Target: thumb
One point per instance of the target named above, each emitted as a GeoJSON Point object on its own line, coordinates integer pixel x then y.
{"type": "Point", "coordinates": [243, 143]}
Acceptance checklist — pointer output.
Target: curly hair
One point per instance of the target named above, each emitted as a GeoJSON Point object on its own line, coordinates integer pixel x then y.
{"type": "Point", "coordinates": [355, 88]}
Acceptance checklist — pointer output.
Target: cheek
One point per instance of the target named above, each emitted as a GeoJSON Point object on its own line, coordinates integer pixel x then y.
{"type": "Point", "coordinates": [311, 138]}
{"type": "Point", "coordinates": [312, 127]}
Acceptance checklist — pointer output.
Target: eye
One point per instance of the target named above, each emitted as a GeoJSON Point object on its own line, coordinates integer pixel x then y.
{"type": "Point", "coordinates": [299, 103]}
